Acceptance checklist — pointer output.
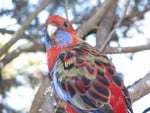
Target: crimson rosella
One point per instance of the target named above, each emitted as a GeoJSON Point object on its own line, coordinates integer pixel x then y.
{"type": "Point", "coordinates": [84, 80]}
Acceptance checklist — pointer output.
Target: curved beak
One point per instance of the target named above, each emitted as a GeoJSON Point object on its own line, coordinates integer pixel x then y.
{"type": "Point", "coordinates": [51, 29]}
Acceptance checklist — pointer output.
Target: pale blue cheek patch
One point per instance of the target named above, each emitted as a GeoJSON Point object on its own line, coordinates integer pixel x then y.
{"type": "Point", "coordinates": [63, 38]}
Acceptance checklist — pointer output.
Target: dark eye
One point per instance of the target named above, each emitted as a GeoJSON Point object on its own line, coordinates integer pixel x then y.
{"type": "Point", "coordinates": [65, 24]}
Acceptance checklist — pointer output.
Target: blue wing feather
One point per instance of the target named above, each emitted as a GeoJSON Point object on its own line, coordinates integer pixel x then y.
{"type": "Point", "coordinates": [60, 93]}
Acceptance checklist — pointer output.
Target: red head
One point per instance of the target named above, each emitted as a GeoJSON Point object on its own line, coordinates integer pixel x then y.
{"type": "Point", "coordinates": [60, 32]}
{"type": "Point", "coordinates": [61, 23]}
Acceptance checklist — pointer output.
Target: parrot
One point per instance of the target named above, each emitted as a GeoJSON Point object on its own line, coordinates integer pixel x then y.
{"type": "Point", "coordinates": [84, 79]}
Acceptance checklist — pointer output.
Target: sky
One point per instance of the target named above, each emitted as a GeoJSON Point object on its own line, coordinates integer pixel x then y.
{"type": "Point", "coordinates": [132, 69]}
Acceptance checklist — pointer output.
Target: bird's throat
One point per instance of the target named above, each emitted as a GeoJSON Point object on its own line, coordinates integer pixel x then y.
{"type": "Point", "coordinates": [51, 56]}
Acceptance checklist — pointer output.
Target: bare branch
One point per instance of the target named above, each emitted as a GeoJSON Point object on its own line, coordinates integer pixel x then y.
{"type": "Point", "coordinates": [3, 31]}
{"type": "Point", "coordinates": [118, 50]}
{"type": "Point", "coordinates": [6, 83]}
{"type": "Point", "coordinates": [140, 88]}
{"type": "Point", "coordinates": [40, 47]}
{"type": "Point", "coordinates": [130, 19]}
{"type": "Point", "coordinates": [105, 25]}
{"type": "Point", "coordinates": [116, 26]}
{"type": "Point", "coordinates": [20, 31]}
{"type": "Point", "coordinates": [66, 9]}
{"type": "Point", "coordinates": [30, 47]}
{"type": "Point", "coordinates": [37, 103]}
{"type": "Point", "coordinates": [6, 11]}
{"type": "Point", "coordinates": [95, 19]}
{"type": "Point", "coordinates": [49, 102]}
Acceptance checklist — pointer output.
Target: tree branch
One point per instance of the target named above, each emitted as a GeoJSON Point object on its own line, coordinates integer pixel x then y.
{"type": "Point", "coordinates": [116, 26]}
{"type": "Point", "coordinates": [66, 8]}
{"type": "Point", "coordinates": [95, 19]}
{"type": "Point", "coordinates": [18, 34]}
{"type": "Point", "coordinates": [30, 47]}
{"type": "Point", "coordinates": [140, 88]}
{"type": "Point", "coordinates": [6, 11]}
{"type": "Point", "coordinates": [118, 50]}
{"type": "Point", "coordinates": [105, 25]}
{"type": "Point", "coordinates": [37, 103]}
{"type": "Point", "coordinates": [36, 46]}
{"type": "Point", "coordinates": [134, 14]}
{"type": "Point", "coordinates": [49, 102]}
{"type": "Point", "coordinates": [3, 31]}
{"type": "Point", "coordinates": [7, 83]}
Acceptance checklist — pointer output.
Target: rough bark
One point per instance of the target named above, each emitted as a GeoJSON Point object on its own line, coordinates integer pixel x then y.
{"type": "Point", "coordinates": [105, 25]}
{"type": "Point", "coordinates": [140, 88]}
{"type": "Point", "coordinates": [37, 103]}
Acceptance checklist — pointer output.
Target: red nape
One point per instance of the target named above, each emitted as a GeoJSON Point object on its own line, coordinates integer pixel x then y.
{"type": "Point", "coordinates": [69, 109]}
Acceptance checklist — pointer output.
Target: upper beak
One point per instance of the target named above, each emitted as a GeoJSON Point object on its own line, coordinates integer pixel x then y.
{"type": "Point", "coordinates": [51, 29]}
